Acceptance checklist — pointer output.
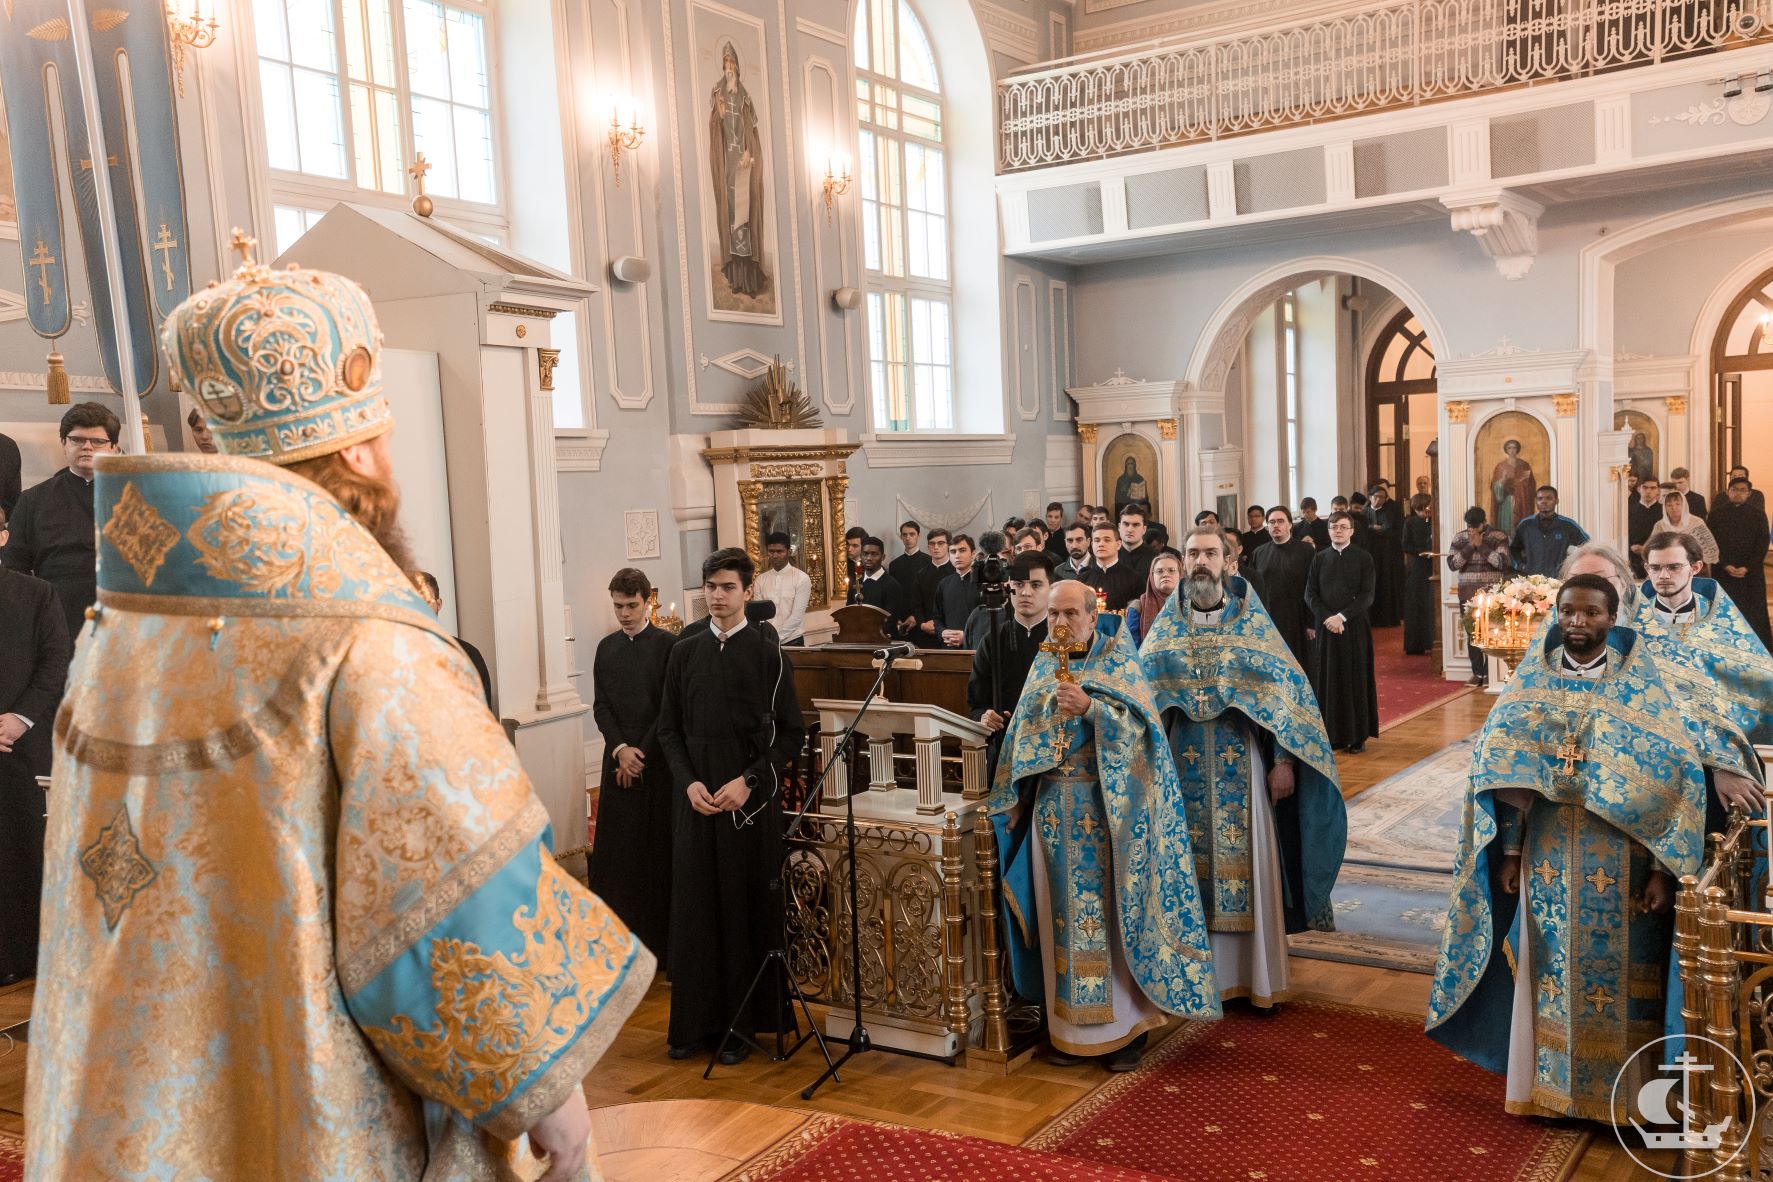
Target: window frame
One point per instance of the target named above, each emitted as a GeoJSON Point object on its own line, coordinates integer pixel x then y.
{"type": "Point", "coordinates": [312, 192]}
{"type": "Point", "coordinates": [907, 288]}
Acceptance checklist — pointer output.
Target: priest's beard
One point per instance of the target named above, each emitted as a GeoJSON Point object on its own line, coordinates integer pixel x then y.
{"type": "Point", "coordinates": [374, 503]}
{"type": "Point", "coordinates": [1204, 589]}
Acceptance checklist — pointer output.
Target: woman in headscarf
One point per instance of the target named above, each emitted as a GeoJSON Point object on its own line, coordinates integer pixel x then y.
{"type": "Point", "coordinates": [1160, 584]}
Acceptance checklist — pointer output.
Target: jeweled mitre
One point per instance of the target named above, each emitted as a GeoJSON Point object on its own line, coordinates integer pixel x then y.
{"type": "Point", "coordinates": [285, 364]}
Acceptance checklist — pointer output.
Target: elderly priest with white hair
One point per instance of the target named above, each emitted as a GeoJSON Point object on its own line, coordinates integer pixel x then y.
{"type": "Point", "coordinates": [1098, 865]}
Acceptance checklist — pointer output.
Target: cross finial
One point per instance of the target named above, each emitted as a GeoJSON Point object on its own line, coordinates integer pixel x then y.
{"type": "Point", "coordinates": [244, 243]}
{"type": "Point", "coordinates": [421, 204]}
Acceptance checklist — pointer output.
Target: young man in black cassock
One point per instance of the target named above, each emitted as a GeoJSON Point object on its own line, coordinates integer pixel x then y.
{"type": "Point", "coordinates": [1002, 661]}
{"type": "Point", "coordinates": [33, 669]}
{"type": "Point", "coordinates": [11, 471]}
{"type": "Point", "coordinates": [729, 723]}
{"type": "Point", "coordinates": [1339, 593]}
{"type": "Point", "coordinates": [1278, 571]}
{"type": "Point", "coordinates": [52, 525]}
{"type": "Point", "coordinates": [630, 863]}
{"type": "Point", "coordinates": [1739, 526]}
{"type": "Point", "coordinates": [1385, 542]}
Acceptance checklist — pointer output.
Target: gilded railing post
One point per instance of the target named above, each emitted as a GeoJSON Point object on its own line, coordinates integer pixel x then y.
{"type": "Point", "coordinates": [997, 1031]}
{"type": "Point", "coordinates": [1717, 966]}
{"type": "Point", "coordinates": [1686, 950]}
{"type": "Point", "coordinates": [954, 981]}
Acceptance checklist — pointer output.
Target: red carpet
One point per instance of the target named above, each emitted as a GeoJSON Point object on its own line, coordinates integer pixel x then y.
{"type": "Point", "coordinates": [12, 1158]}
{"type": "Point", "coordinates": [833, 1148]}
{"type": "Point", "coordinates": [1316, 1093]}
{"type": "Point", "coordinates": [1407, 685]}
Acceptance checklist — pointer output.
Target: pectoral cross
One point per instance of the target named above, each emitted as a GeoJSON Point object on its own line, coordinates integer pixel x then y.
{"type": "Point", "coordinates": [166, 244]}
{"type": "Point", "coordinates": [42, 260]}
{"type": "Point", "coordinates": [1062, 646]}
{"type": "Point", "coordinates": [1570, 753]}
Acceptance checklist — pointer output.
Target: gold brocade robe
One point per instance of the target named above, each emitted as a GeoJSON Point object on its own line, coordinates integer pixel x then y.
{"type": "Point", "coordinates": [300, 918]}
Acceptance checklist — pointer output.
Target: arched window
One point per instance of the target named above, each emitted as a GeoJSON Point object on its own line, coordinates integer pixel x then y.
{"type": "Point", "coordinates": [1401, 404]}
{"type": "Point", "coordinates": [1742, 380]}
{"type": "Point", "coordinates": [905, 239]}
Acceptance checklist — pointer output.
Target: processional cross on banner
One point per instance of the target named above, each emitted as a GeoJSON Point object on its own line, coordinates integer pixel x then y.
{"type": "Point", "coordinates": [1063, 645]}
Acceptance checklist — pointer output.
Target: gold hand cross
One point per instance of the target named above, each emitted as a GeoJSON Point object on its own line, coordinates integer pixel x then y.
{"type": "Point", "coordinates": [1063, 646]}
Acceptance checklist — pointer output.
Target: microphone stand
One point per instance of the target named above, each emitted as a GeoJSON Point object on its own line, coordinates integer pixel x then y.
{"type": "Point", "coordinates": [858, 1039]}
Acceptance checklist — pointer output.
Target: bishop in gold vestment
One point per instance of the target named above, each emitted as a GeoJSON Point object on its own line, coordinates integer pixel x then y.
{"type": "Point", "coordinates": [300, 916]}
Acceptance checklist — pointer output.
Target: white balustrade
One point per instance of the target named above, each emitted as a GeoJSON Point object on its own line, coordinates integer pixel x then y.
{"type": "Point", "coordinates": [1380, 58]}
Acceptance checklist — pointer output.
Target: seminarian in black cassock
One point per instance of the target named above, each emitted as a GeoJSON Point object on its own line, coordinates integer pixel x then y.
{"type": "Point", "coordinates": [1385, 542]}
{"type": "Point", "coordinates": [1278, 571]}
{"type": "Point", "coordinates": [53, 539]}
{"type": "Point", "coordinates": [1739, 524]}
{"type": "Point", "coordinates": [1419, 622]}
{"type": "Point", "coordinates": [729, 713]}
{"type": "Point", "coordinates": [33, 669]}
{"type": "Point", "coordinates": [1341, 584]}
{"type": "Point", "coordinates": [630, 863]}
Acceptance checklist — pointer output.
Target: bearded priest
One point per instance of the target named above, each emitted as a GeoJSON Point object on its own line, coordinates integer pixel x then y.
{"type": "Point", "coordinates": [1098, 870]}
{"type": "Point", "coordinates": [299, 911]}
{"type": "Point", "coordinates": [1716, 666]}
{"type": "Point", "coordinates": [1265, 813]}
{"type": "Point", "coordinates": [1586, 802]}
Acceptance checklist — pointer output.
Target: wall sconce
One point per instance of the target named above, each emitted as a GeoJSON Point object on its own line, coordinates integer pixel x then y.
{"type": "Point", "coordinates": [621, 137]}
{"type": "Point", "coordinates": [837, 181]}
{"type": "Point", "coordinates": [189, 29]}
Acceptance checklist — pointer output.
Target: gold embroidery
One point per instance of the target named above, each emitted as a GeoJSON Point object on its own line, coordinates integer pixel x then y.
{"type": "Point", "coordinates": [253, 535]}
{"type": "Point", "coordinates": [501, 1016]}
{"type": "Point", "coordinates": [140, 534]}
{"type": "Point", "coordinates": [117, 868]}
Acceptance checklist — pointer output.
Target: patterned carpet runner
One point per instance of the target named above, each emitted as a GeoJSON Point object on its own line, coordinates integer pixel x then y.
{"type": "Point", "coordinates": [1315, 1093]}
{"type": "Point", "coordinates": [1408, 686]}
{"type": "Point", "coordinates": [838, 1149]}
{"type": "Point", "coordinates": [12, 1158]}
{"type": "Point", "coordinates": [1391, 897]}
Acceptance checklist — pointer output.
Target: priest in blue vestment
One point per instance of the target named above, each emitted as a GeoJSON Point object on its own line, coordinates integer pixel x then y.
{"type": "Point", "coordinates": [1098, 865]}
{"type": "Point", "coordinates": [1265, 812]}
{"type": "Point", "coordinates": [1585, 805]}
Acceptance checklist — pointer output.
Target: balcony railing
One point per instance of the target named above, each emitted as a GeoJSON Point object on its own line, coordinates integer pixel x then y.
{"type": "Point", "coordinates": [1382, 58]}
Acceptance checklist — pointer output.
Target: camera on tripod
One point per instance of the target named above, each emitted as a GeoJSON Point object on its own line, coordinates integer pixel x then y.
{"type": "Point", "coordinates": [993, 573]}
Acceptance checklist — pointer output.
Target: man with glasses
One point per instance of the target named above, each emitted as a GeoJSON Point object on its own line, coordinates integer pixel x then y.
{"type": "Point", "coordinates": [52, 528]}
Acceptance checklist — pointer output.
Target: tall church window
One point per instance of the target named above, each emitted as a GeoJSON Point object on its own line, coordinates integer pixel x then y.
{"type": "Point", "coordinates": [353, 90]}
{"type": "Point", "coordinates": [905, 250]}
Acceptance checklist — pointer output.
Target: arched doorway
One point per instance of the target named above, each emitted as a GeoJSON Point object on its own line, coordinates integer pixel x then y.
{"type": "Point", "coordinates": [1402, 418]}
{"type": "Point", "coordinates": [1742, 383]}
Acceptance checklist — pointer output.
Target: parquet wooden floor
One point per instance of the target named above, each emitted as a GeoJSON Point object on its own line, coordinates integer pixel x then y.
{"type": "Point", "coordinates": [659, 1121]}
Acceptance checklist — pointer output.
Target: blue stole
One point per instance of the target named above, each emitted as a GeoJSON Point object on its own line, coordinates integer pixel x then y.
{"type": "Point", "coordinates": [1129, 821]}
{"type": "Point", "coordinates": [1635, 784]}
{"type": "Point", "coordinates": [1241, 671]}
{"type": "Point", "coordinates": [1718, 664]}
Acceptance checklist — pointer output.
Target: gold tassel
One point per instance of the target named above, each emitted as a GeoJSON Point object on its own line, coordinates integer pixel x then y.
{"type": "Point", "coordinates": [58, 381]}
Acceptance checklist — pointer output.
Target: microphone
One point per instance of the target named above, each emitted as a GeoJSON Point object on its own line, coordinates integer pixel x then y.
{"type": "Point", "coordinates": [899, 650]}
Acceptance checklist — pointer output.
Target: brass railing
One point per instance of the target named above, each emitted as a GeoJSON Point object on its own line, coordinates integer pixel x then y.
{"type": "Point", "coordinates": [1724, 948]}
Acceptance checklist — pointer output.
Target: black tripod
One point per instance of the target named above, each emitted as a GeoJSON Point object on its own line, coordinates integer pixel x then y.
{"type": "Point", "coordinates": [778, 956]}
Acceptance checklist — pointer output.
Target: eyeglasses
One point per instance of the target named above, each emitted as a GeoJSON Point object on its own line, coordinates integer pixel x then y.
{"type": "Point", "coordinates": [85, 441]}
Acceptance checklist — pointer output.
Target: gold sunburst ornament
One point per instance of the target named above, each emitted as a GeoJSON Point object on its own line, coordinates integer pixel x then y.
{"type": "Point", "coordinates": [776, 403]}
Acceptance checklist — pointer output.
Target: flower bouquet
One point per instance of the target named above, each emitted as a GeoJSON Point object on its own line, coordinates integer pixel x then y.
{"type": "Point", "coordinates": [1504, 618]}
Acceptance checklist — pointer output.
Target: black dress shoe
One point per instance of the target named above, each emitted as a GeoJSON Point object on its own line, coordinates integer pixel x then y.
{"type": "Point", "coordinates": [1127, 1058]}
{"type": "Point", "coordinates": [1357, 748]}
{"type": "Point", "coordinates": [1060, 1058]}
{"type": "Point", "coordinates": [10, 979]}
{"type": "Point", "coordinates": [685, 1051]}
{"type": "Point", "coordinates": [735, 1054]}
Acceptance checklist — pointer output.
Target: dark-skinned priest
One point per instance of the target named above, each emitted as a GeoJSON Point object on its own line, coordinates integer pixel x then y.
{"type": "Point", "coordinates": [1265, 812]}
{"type": "Point", "coordinates": [1586, 802]}
{"type": "Point", "coordinates": [1716, 667]}
{"type": "Point", "coordinates": [1098, 866]}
